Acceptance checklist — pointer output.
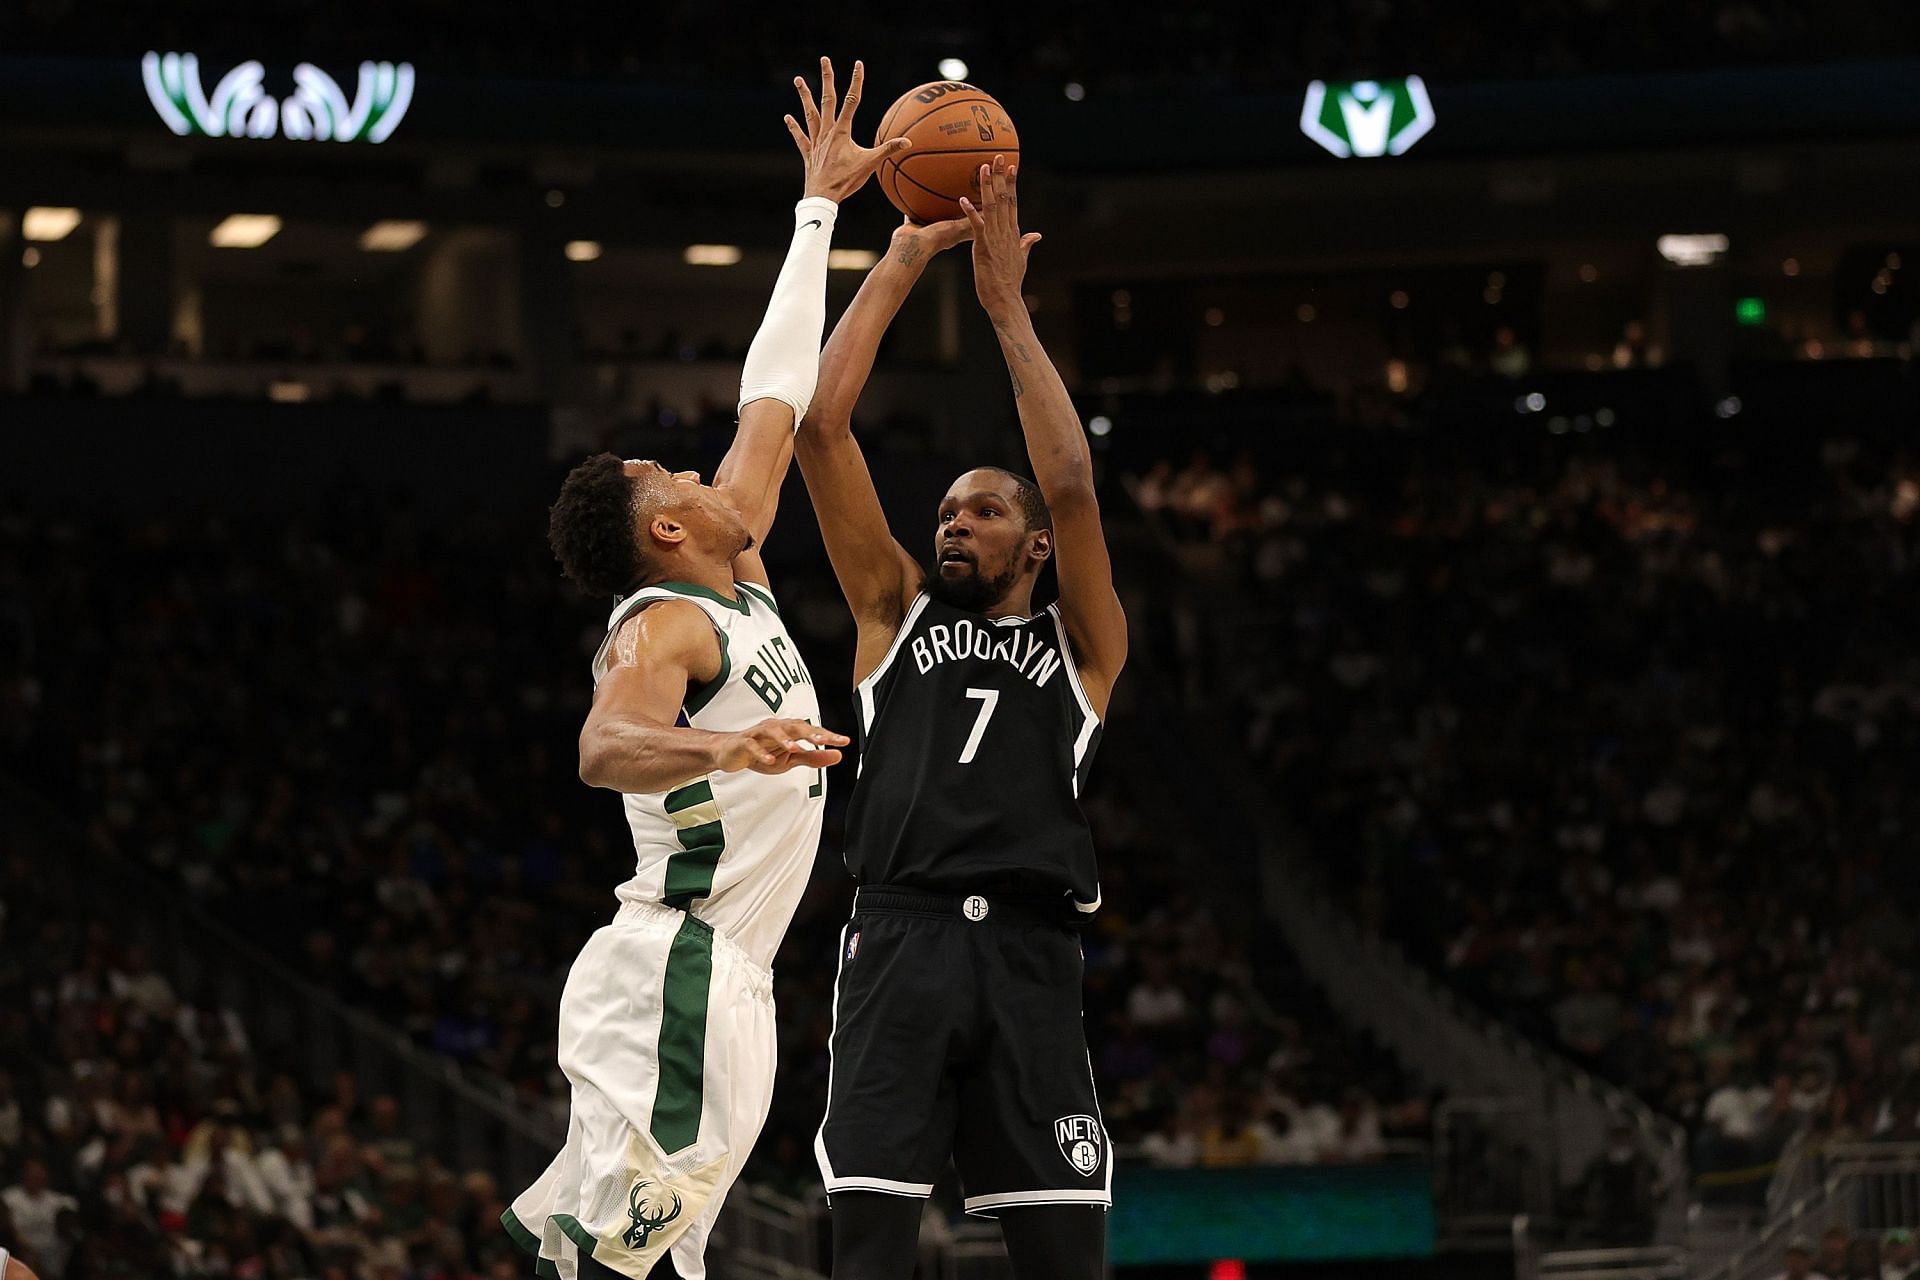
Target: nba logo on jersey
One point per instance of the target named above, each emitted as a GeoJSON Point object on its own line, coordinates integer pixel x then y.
{"type": "Point", "coordinates": [853, 946]}
{"type": "Point", "coordinates": [1079, 1138]}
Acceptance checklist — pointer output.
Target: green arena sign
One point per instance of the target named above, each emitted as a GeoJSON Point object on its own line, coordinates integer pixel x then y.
{"type": "Point", "coordinates": [317, 110]}
{"type": "Point", "coordinates": [1277, 1213]}
{"type": "Point", "coordinates": [1367, 117]}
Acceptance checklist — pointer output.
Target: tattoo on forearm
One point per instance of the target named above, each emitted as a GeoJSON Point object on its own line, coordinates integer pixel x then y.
{"type": "Point", "coordinates": [1019, 347]}
{"type": "Point", "coordinates": [1019, 389]}
{"type": "Point", "coordinates": [911, 253]}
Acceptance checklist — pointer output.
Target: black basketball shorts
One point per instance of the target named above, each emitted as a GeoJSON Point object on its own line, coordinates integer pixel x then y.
{"type": "Point", "coordinates": [957, 1031]}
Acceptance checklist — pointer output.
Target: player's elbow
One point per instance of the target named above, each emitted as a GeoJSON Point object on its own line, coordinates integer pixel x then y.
{"type": "Point", "coordinates": [824, 422]}
{"type": "Point", "coordinates": [596, 757]}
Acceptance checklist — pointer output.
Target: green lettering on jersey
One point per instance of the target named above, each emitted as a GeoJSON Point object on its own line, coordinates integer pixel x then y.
{"type": "Point", "coordinates": [769, 692]}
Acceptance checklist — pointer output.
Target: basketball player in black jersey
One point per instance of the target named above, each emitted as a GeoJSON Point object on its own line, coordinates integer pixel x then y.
{"type": "Point", "coordinates": [957, 1019]}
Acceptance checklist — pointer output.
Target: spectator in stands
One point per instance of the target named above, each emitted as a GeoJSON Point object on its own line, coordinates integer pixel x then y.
{"type": "Point", "coordinates": [1731, 1118]}
{"type": "Point", "coordinates": [1833, 1251]}
{"type": "Point", "coordinates": [1863, 1259]}
{"type": "Point", "coordinates": [1235, 1137]}
{"type": "Point", "coordinates": [1799, 1263]}
{"type": "Point", "coordinates": [1898, 1256]}
{"type": "Point", "coordinates": [1156, 1003]}
{"type": "Point", "coordinates": [1175, 1144]}
{"type": "Point", "coordinates": [35, 1208]}
{"type": "Point", "coordinates": [1357, 1138]}
{"type": "Point", "coordinates": [1620, 1192]}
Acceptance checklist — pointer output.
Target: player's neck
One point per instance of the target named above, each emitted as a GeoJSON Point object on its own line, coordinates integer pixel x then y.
{"type": "Point", "coordinates": [1018, 604]}
{"type": "Point", "coordinates": [715, 578]}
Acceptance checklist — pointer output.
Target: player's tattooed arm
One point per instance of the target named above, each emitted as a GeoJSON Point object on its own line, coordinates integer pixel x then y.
{"type": "Point", "coordinates": [877, 575]}
{"type": "Point", "coordinates": [1056, 442]}
{"type": "Point", "coordinates": [633, 741]}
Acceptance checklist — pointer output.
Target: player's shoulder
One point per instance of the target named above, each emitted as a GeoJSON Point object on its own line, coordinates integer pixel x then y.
{"type": "Point", "coordinates": [14, 1269]}
{"type": "Point", "coordinates": [659, 629]}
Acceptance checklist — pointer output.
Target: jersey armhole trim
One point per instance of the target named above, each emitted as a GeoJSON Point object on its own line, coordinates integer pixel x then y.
{"type": "Point", "coordinates": [899, 641]}
{"type": "Point", "coordinates": [1072, 665]}
{"type": "Point", "coordinates": [760, 593]}
{"type": "Point", "coordinates": [697, 698]}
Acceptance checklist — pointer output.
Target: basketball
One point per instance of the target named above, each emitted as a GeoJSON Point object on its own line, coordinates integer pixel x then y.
{"type": "Point", "coordinates": [955, 128]}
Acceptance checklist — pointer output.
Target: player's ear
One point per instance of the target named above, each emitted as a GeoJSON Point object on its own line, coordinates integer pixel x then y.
{"type": "Point", "coordinates": [1041, 547]}
{"type": "Point", "coordinates": [666, 531]}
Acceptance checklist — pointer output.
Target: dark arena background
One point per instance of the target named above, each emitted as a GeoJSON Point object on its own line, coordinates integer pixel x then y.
{"type": "Point", "coordinates": [1505, 424]}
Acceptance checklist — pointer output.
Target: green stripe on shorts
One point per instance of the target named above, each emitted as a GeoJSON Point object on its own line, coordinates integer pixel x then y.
{"type": "Point", "coordinates": [518, 1231]}
{"type": "Point", "coordinates": [545, 1268]}
{"type": "Point", "coordinates": [581, 1237]}
{"type": "Point", "coordinates": [683, 1037]}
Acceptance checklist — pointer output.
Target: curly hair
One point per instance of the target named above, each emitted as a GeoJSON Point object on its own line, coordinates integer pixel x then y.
{"type": "Point", "coordinates": [591, 527]}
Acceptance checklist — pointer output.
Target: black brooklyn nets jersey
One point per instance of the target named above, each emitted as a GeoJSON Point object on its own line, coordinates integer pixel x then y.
{"type": "Point", "coordinates": [975, 737]}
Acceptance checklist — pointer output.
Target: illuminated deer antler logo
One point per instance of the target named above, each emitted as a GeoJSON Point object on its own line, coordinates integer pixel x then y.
{"type": "Point", "coordinates": [647, 1218]}
{"type": "Point", "coordinates": [239, 106]}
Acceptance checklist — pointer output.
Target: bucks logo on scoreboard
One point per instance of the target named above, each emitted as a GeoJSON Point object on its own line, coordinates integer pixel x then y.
{"type": "Point", "coordinates": [318, 109]}
{"type": "Point", "coordinates": [1367, 117]}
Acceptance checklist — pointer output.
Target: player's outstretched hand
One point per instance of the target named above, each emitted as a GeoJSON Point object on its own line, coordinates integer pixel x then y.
{"type": "Point", "coordinates": [999, 250]}
{"type": "Point", "coordinates": [837, 166]}
{"type": "Point", "coordinates": [775, 746]}
{"type": "Point", "coordinates": [915, 242]}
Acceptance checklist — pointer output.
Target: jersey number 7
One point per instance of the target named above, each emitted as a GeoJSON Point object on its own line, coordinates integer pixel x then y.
{"type": "Point", "coordinates": [989, 699]}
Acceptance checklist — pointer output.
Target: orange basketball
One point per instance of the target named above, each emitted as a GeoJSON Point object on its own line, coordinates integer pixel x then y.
{"type": "Point", "coordinates": [955, 128]}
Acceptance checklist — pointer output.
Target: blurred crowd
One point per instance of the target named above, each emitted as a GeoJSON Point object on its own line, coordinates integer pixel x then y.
{"type": "Point", "coordinates": [142, 1134]}
{"type": "Point", "coordinates": [352, 738]}
{"type": "Point", "coordinates": [1616, 730]}
{"type": "Point", "coordinates": [1842, 1254]}
{"type": "Point", "coordinates": [1125, 47]}
{"type": "Point", "coordinates": [1212, 1049]}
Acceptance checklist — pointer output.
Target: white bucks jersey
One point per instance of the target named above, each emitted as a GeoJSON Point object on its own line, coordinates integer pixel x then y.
{"type": "Point", "coordinates": [733, 849]}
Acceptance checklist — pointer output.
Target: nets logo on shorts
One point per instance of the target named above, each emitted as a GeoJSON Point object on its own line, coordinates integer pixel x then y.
{"type": "Point", "coordinates": [853, 946]}
{"type": "Point", "coordinates": [1080, 1141]}
{"type": "Point", "coordinates": [649, 1213]}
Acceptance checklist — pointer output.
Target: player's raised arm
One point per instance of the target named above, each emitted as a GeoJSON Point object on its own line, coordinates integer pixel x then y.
{"type": "Point", "coordinates": [877, 575]}
{"type": "Point", "coordinates": [633, 741]}
{"type": "Point", "coordinates": [1056, 445]}
{"type": "Point", "coordinates": [782, 365]}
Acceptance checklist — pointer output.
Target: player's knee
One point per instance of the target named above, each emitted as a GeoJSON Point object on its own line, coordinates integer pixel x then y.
{"type": "Point", "coordinates": [875, 1236]}
{"type": "Point", "coordinates": [1056, 1241]}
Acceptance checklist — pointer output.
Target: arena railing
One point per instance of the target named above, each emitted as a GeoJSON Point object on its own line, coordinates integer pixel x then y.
{"type": "Point", "coordinates": [1867, 1186]}
{"type": "Point", "coordinates": [1458, 1048]}
{"type": "Point", "coordinates": [1797, 1173]}
{"type": "Point", "coordinates": [1487, 1168]}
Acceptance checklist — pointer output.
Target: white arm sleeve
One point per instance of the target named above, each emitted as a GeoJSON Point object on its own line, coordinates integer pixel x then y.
{"type": "Point", "coordinates": [784, 361]}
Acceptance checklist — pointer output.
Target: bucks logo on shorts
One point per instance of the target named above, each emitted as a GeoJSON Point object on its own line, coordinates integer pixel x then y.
{"type": "Point", "coordinates": [649, 1213]}
{"type": "Point", "coordinates": [1079, 1138]}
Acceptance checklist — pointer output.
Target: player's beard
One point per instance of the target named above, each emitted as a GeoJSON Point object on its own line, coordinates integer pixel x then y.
{"type": "Point", "coordinates": [972, 592]}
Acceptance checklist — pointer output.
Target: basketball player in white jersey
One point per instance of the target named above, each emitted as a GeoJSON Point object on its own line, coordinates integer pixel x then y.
{"type": "Point", "coordinates": [704, 717]}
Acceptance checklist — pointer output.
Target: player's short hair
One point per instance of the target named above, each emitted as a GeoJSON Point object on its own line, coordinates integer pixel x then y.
{"type": "Point", "coordinates": [1032, 503]}
{"type": "Point", "coordinates": [591, 527]}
